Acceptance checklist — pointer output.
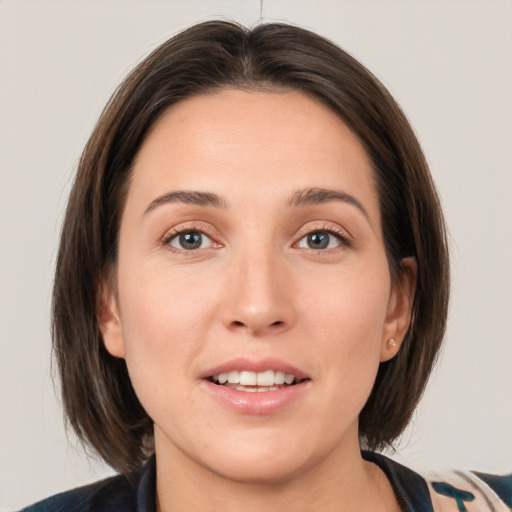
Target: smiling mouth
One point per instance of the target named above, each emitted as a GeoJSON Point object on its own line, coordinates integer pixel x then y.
{"type": "Point", "coordinates": [255, 382]}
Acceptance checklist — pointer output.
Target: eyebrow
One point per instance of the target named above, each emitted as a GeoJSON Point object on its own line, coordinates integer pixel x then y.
{"type": "Point", "coordinates": [311, 196]}
{"type": "Point", "coordinates": [303, 197]}
{"type": "Point", "coordinates": [188, 197]}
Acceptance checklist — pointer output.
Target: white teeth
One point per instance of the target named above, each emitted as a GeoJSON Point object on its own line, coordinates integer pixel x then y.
{"type": "Point", "coordinates": [279, 378]}
{"type": "Point", "coordinates": [264, 380]}
{"type": "Point", "coordinates": [288, 378]}
{"type": "Point", "coordinates": [234, 377]}
{"type": "Point", "coordinates": [247, 390]}
{"type": "Point", "coordinates": [248, 378]}
{"type": "Point", "coordinates": [255, 389]}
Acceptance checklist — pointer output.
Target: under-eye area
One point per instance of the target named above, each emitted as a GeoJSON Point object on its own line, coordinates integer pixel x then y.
{"type": "Point", "coordinates": [256, 381]}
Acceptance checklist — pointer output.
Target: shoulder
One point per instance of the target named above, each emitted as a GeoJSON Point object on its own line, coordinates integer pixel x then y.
{"type": "Point", "coordinates": [114, 493]}
{"type": "Point", "coordinates": [122, 493]}
{"type": "Point", "coordinates": [470, 490]}
{"type": "Point", "coordinates": [449, 491]}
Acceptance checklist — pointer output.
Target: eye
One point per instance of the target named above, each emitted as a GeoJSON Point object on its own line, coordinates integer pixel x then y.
{"type": "Point", "coordinates": [321, 240]}
{"type": "Point", "coordinates": [189, 240]}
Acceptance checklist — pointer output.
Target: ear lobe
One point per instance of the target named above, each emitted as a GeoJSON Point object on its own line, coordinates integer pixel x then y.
{"type": "Point", "coordinates": [109, 321]}
{"type": "Point", "coordinates": [399, 311]}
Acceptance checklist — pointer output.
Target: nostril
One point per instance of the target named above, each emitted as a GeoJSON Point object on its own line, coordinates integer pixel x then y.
{"type": "Point", "coordinates": [239, 324]}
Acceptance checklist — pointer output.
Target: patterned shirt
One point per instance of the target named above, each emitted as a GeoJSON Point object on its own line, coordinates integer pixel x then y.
{"type": "Point", "coordinates": [455, 491]}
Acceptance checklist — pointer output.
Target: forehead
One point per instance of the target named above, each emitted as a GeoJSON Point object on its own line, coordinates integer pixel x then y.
{"type": "Point", "coordinates": [256, 119]}
{"type": "Point", "coordinates": [247, 142]}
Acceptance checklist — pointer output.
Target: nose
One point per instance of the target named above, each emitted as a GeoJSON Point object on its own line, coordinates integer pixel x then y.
{"type": "Point", "coordinates": [259, 295]}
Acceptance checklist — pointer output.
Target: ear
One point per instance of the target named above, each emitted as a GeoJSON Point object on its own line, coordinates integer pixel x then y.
{"type": "Point", "coordinates": [400, 303]}
{"type": "Point", "coordinates": [109, 321]}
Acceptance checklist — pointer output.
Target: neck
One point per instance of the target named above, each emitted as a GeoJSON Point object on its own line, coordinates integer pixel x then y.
{"type": "Point", "coordinates": [340, 481]}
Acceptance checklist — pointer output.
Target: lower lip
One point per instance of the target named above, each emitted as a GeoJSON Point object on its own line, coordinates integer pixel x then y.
{"type": "Point", "coordinates": [257, 403]}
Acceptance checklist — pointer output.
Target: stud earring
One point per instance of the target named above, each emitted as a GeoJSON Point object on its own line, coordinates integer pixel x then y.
{"type": "Point", "coordinates": [391, 343]}
{"type": "Point", "coordinates": [116, 319]}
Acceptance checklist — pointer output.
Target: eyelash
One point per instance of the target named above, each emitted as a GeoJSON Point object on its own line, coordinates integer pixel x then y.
{"type": "Point", "coordinates": [175, 233]}
{"type": "Point", "coordinates": [332, 230]}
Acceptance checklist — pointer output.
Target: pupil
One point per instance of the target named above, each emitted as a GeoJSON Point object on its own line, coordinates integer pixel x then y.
{"type": "Point", "coordinates": [318, 240]}
{"type": "Point", "coordinates": [190, 240]}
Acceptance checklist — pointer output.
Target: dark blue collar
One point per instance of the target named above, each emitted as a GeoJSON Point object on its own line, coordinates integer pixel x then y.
{"type": "Point", "coordinates": [409, 487]}
{"type": "Point", "coordinates": [143, 482]}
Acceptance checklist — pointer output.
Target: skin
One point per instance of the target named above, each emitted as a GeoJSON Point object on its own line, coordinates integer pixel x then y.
{"type": "Point", "coordinates": [255, 288]}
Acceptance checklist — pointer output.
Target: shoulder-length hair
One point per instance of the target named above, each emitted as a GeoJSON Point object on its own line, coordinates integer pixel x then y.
{"type": "Point", "coordinates": [98, 397]}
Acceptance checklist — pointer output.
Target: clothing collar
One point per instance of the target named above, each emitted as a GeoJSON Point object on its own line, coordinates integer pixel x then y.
{"type": "Point", "coordinates": [143, 481]}
{"type": "Point", "coordinates": [409, 487]}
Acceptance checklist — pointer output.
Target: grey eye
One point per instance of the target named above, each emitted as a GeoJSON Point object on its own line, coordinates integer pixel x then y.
{"type": "Point", "coordinates": [190, 241]}
{"type": "Point", "coordinates": [320, 240]}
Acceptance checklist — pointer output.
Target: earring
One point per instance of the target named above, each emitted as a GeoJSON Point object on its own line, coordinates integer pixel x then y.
{"type": "Point", "coordinates": [391, 343]}
{"type": "Point", "coordinates": [116, 319]}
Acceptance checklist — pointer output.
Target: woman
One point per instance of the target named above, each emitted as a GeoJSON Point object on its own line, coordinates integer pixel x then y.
{"type": "Point", "coordinates": [252, 285]}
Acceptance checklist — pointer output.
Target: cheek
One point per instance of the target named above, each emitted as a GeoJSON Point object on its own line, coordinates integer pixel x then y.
{"type": "Point", "coordinates": [351, 306]}
{"type": "Point", "coordinates": [345, 322]}
{"type": "Point", "coordinates": [165, 320]}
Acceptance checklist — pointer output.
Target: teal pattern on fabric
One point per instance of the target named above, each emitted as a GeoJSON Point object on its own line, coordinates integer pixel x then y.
{"type": "Point", "coordinates": [501, 485]}
{"type": "Point", "coordinates": [458, 495]}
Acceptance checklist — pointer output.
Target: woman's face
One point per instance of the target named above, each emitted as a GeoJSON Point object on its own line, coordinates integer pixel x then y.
{"type": "Point", "coordinates": [251, 250]}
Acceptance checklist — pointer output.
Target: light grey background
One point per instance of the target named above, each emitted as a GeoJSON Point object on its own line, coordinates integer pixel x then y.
{"type": "Point", "coordinates": [447, 62]}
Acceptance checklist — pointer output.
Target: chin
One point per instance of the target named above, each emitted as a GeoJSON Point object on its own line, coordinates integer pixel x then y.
{"type": "Point", "coordinates": [261, 471]}
{"type": "Point", "coordinates": [270, 461]}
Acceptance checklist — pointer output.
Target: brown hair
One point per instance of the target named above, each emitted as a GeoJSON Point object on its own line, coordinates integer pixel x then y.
{"type": "Point", "coordinates": [98, 397]}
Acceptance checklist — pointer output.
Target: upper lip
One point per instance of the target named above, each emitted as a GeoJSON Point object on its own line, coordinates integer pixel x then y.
{"type": "Point", "coordinates": [255, 365]}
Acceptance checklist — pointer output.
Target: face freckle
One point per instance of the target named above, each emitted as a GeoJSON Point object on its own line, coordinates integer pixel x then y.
{"type": "Point", "coordinates": [228, 167]}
